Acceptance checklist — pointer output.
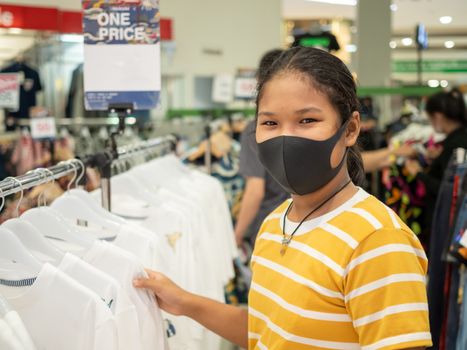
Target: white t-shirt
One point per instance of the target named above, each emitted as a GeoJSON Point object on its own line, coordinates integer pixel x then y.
{"type": "Point", "coordinates": [111, 293]}
{"type": "Point", "coordinates": [19, 330]}
{"type": "Point", "coordinates": [125, 267]}
{"type": "Point", "coordinates": [62, 314]}
{"type": "Point", "coordinates": [187, 256]}
{"type": "Point", "coordinates": [131, 239]}
{"type": "Point", "coordinates": [8, 340]}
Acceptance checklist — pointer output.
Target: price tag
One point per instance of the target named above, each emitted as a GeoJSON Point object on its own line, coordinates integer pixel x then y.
{"type": "Point", "coordinates": [9, 90]}
{"type": "Point", "coordinates": [245, 88]}
{"type": "Point", "coordinates": [43, 128]}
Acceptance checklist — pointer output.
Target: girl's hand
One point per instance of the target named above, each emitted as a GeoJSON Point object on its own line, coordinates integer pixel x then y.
{"type": "Point", "coordinates": [170, 297]}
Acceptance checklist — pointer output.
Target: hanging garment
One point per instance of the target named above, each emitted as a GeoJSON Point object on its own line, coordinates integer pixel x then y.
{"type": "Point", "coordinates": [124, 268]}
{"type": "Point", "coordinates": [461, 343]}
{"type": "Point", "coordinates": [70, 309]}
{"type": "Point", "coordinates": [111, 293]}
{"type": "Point", "coordinates": [30, 86]}
{"type": "Point", "coordinates": [13, 320]}
{"type": "Point", "coordinates": [438, 238]}
{"type": "Point", "coordinates": [8, 340]}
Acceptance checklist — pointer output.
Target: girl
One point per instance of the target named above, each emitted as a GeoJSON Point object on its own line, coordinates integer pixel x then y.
{"type": "Point", "coordinates": [333, 268]}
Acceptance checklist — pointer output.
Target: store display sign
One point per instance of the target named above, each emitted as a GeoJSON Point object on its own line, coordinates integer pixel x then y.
{"type": "Point", "coordinates": [245, 88]}
{"type": "Point", "coordinates": [43, 128]}
{"type": "Point", "coordinates": [9, 90]}
{"type": "Point", "coordinates": [121, 53]}
{"type": "Point", "coordinates": [222, 88]}
{"type": "Point", "coordinates": [431, 66]}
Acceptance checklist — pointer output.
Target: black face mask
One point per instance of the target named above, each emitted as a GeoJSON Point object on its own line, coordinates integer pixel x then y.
{"type": "Point", "coordinates": [298, 164]}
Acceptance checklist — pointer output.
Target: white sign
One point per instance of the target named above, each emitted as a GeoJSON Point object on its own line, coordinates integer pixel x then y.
{"type": "Point", "coordinates": [245, 88]}
{"type": "Point", "coordinates": [43, 128]}
{"type": "Point", "coordinates": [222, 88]}
{"type": "Point", "coordinates": [121, 53]}
{"type": "Point", "coordinates": [9, 90]}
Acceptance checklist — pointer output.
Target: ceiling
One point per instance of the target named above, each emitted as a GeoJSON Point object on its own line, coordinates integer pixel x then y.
{"type": "Point", "coordinates": [427, 12]}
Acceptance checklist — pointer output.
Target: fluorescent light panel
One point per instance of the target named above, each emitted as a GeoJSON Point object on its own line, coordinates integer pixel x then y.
{"type": "Point", "coordinates": [445, 19]}
{"type": "Point", "coordinates": [336, 2]}
{"type": "Point", "coordinates": [449, 44]}
{"type": "Point", "coordinates": [407, 41]}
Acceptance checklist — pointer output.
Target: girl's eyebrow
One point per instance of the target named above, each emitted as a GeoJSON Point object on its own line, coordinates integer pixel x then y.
{"type": "Point", "coordinates": [266, 113]}
{"type": "Point", "coordinates": [300, 111]}
{"type": "Point", "coordinates": [308, 109]}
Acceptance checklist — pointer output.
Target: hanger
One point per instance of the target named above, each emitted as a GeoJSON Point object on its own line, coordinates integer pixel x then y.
{"type": "Point", "coordinates": [13, 250]}
{"type": "Point", "coordinates": [28, 234]}
{"type": "Point", "coordinates": [76, 209]}
{"type": "Point", "coordinates": [53, 224]}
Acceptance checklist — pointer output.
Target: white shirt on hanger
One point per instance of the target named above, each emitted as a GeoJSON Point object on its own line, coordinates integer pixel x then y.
{"type": "Point", "coordinates": [8, 340]}
{"type": "Point", "coordinates": [19, 329]}
{"type": "Point", "coordinates": [62, 314]}
{"type": "Point", "coordinates": [112, 294]}
{"type": "Point", "coordinates": [125, 267]}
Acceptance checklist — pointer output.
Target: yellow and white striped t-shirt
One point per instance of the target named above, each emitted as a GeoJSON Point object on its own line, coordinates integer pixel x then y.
{"type": "Point", "coordinates": [351, 279]}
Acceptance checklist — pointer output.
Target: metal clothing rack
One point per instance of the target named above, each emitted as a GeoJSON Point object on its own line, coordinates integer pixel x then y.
{"type": "Point", "coordinates": [96, 122]}
{"type": "Point", "coordinates": [103, 161]}
{"type": "Point", "coordinates": [34, 178]}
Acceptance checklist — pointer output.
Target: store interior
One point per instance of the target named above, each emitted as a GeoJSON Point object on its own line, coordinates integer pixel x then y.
{"type": "Point", "coordinates": [74, 174]}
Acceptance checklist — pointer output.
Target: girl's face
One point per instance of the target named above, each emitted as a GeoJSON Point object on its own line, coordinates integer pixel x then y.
{"type": "Point", "coordinates": [291, 106]}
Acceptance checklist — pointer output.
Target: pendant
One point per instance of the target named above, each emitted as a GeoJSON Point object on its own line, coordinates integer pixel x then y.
{"type": "Point", "coordinates": [285, 244]}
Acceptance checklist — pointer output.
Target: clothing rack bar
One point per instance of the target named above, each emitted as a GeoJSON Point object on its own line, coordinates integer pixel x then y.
{"type": "Point", "coordinates": [9, 186]}
{"type": "Point", "coordinates": [104, 160]}
{"type": "Point", "coordinates": [109, 121]}
{"type": "Point", "coordinates": [126, 152]}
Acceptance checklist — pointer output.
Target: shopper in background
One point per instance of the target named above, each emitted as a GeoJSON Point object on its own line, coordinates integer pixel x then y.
{"type": "Point", "coordinates": [262, 193]}
{"type": "Point", "coordinates": [333, 267]}
{"type": "Point", "coordinates": [447, 113]}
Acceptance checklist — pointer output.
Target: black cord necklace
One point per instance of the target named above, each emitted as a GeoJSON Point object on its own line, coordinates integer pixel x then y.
{"type": "Point", "coordinates": [286, 239]}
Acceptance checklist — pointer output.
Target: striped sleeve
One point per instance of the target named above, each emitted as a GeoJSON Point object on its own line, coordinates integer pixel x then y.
{"type": "Point", "coordinates": [385, 292]}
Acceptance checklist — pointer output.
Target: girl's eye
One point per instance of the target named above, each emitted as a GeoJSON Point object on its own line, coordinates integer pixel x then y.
{"type": "Point", "coordinates": [307, 121]}
{"type": "Point", "coordinates": [269, 123]}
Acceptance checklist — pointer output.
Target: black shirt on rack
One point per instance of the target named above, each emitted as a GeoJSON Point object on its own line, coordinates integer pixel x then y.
{"type": "Point", "coordinates": [29, 88]}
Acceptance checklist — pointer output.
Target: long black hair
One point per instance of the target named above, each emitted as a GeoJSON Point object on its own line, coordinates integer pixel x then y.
{"type": "Point", "coordinates": [330, 76]}
{"type": "Point", "coordinates": [451, 104]}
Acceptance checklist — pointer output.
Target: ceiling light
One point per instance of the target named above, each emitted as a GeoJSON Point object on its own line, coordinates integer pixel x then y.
{"type": "Point", "coordinates": [407, 41]}
{"type": "Point", "coordinates": [394, 7]}
{"type": "Point", "coordinates": [337, 2]}
{"type": "Point", "coordinates": [449, 44]}
{"type": "Point", "coordinates": [433, 83]}
{"type": "Point", "coordinates": [351, 48]}
{"type": "Point", "coordinates": [444, 83]}
{"type": "Point", "coordinates": [392, 44]}
{"type": "Point", "coordinates": [445, 19]}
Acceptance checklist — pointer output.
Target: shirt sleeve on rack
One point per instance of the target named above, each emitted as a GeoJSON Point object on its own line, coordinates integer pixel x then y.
{"type": "Point", "coordinates": [385, 292]}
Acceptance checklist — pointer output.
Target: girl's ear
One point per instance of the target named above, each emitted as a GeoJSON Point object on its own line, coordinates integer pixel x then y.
{"type": "Point", "coordinates": [353, 129]}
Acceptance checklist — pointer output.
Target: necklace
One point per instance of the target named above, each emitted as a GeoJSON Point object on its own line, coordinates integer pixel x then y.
{"type": "Point", "coordinates": [286, 239]}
